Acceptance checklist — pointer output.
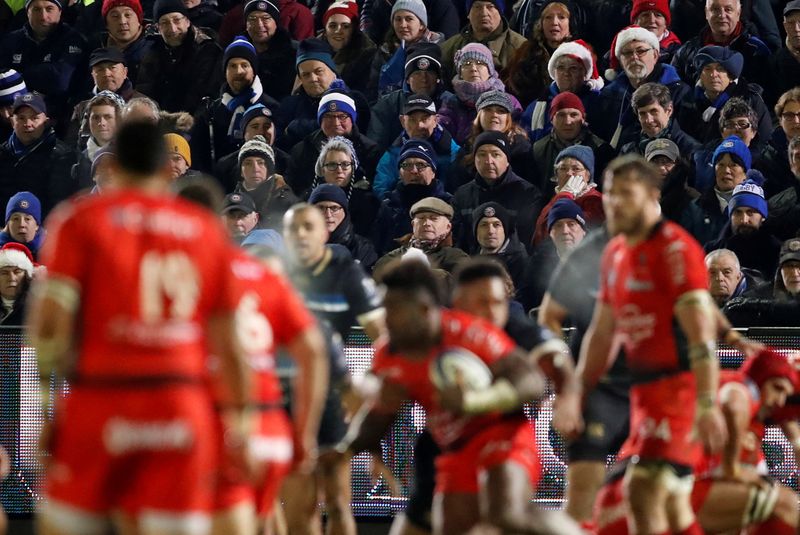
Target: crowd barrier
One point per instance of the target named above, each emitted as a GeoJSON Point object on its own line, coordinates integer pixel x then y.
{"type": "Point", "coordinates": [21, 418]}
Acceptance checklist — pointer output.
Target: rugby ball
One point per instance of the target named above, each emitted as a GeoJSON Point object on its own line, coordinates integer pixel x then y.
{"type": "Point", "coordinates": [457, 362]}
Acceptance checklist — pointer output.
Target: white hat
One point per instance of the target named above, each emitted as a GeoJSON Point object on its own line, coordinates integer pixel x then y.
{"type": "Point", "coordinates": [18, 256]}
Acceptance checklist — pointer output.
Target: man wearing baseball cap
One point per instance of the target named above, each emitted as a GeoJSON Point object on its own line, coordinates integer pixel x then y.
{"type": "Point", "coordinates": [419, 121]}
{"type": "Point", "coordinates": [182, 66]}
{"type": "Point", "coordinates": [496, 181]}
{"type": "Point", "coordinates": [431, 224]}
{"type": "Point", "coordinates": [48, 53]}
{"type": "Point", "coordinates": [33, 159]}
{"type": "Point", "coordinates": [241, 218]}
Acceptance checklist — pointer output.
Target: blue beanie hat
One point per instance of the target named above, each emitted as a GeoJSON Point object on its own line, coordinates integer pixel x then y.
{"type": "Point", "coordinates": [739, 152]}
{"type": "Point", "coordinates": [240, 48]}
{"type": "Point", "coordinates": [731, 61]}
{"type": "Point", "coordinates": [11, 85]}
{"type": "Point", "coordinates": [330, 193]}
{"type": "Point", "coordinates": [256, 110]}
{"type": "Point", "coordinates": [565, 209]}
{"type": "Point", "coordinates": [336, 100]}
{"type": "Point", "coordinates": [749, 194]}
{"type": "Point", "coordinates": [583, 154]}
{"type": "Point", "coordinates": [499, 4]}
{"type": "Point", "coordinates": [418, 148]}
{"type": "Point", "coordinates": [317, 49]}
{"type": "Point", "coordinates": [27, 203]}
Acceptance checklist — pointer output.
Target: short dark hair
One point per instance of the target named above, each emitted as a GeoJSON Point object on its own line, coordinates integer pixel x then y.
{"type": "Point", "coordinates": [478, 268]}
{"type": "Point", "coordinates": [737, 107]}
{"type": "Point", "coordinates": [203, 191]}
{"type": "Point", "coordinates": [140, 148]}
{"type": "Point", "coordinates": [412, 276]}
{"type": "Point", "coordinates": [650, 93]}
{"type": "Point", "coordinates": [634, 164]}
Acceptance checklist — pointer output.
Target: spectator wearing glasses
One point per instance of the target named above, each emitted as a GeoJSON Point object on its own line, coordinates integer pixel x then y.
{"type": "Point", "coordinates": [259, 181]}
{"type": "Point", "coordinates": [636, 51]}
{"type": "Point", "coordinates": [335, 207]}
{"type": "Point", "coordinates": [336, 116]}
{"type": "Point", "coordinates": [417, 170]}
{"type": "Point", "coordinates": [338, 163]}
{"type": "Point", "coordinates": [774, 161]}
{"type": "Point", "coordinates": [738, 119]}
{"type": "Point", "coordinates": [574, 178]}
{"type": "Point", "coordinates": [719, 78]}
{"type": "Point", "coordinates": [183, 66]}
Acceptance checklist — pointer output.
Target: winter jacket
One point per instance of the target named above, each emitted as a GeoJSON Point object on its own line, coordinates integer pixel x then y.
{"type": "Point", "coordinates": [758, 251]}
{"type": "Point", "coordinates": [784, 212]}
{"type": "Point", "coordinates": [546, 150]}
{"type": "Point", "coordinates": [394, 218]}
{"type": "Point", "coordinates": [362, 203]}
{"type": "Point", "coordinates": [702, 122]}
{"type": "Point", "coordinates": [673, 131]}
{"type": "Point", "coordinates": [276, 65]}
{"type": "Point", "coordinates": [360, 248]}
{"type": "Point", "coordinates": [707, 222]}
{"type": "Point", "coordinates": [272, 198]}
{"type": "Point", "coordinates": [677, 197]}
{"type": "Point", "coordinates": [44, 170]}
{"type": "Point", "coordinates": [297, 115]}
{"type": "Point", "coordinates": [178, 78]}
{"type": "Point", "coordinates": [384, 125]}
{"type": "Point", "coordinates": [444, 257]}
{"type": "Point", "coordinates": [354, 61]}
{"type": "Point", "coordinates": [756, 55]}
{"type": "Point", "coordinates": [386, 175]}
{"type": "Point", "coordinates": [503, 42]}
{"type": "Point", "coordinates": [536, 117]}
{"type": "Point", "coordinates": [205, 15]}
{"type": "Point", "coordinates": [521, 198]}
{"type": "Point", "coordinates": [773, 162]}
{"type": "Point", "coordinates": [303, 159]}
{"type": "Point", "coordinates": [590, 202]}
{"type": "Point", "coordinates": [784, 71]}
{"type": "Point", "coordinates": [615, 119]}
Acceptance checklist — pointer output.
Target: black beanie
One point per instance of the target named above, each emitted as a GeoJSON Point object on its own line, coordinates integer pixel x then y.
{"type": "Point", "coordinates": [492, 209]}
{"type": "Point", "coordinates": [162, 7]}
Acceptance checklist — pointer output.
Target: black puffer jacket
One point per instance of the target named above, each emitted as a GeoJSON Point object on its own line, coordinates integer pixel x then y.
{"type": "Point", "coordinates": [273, 198]}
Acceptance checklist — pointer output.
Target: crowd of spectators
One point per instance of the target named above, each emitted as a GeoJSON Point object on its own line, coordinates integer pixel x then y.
{"type": "Point", "coordinates": [441, 128]}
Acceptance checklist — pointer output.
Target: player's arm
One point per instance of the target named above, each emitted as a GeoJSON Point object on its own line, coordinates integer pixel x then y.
{"type": "Point", "coordinates": [728, 335]}
{"type": "Point", "coordinates": [596, 355]}
{"type": "Point", "coordinates": [552, 314]}
{"type": "Point", "coordinates": [695, 312]}
{"type": "Point", "coordinates": [311, 384]}
{"type": "Point", "coordinates": [373, 323]}
{"type": "Point", "coordinates": [373, 419]}
{"type": "Point", "coordinates": [234, 372]}
{"type": "Point", "coordinates": [735, 404]}
{"type": "Point", "coordinates": [791, 430]}
{"type": "Point", "coordinates": [50, 321]}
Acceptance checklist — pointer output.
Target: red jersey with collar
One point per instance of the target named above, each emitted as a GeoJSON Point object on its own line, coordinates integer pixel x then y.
{"type": "Point", "coordinates": [458, 330]}
{"type": "Point", "coordinates": [641, 283]}
{"type": "Point", "coordinates": [751, 453]}
{"type": "Point", "coordinates": [150, 271]}
{"type": "Point", "coordinates": [269, 314]}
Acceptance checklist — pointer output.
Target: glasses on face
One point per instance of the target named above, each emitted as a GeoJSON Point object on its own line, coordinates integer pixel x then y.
{"type": "Point", "coordinates": [333, 166]}
{"type": "Point", "coordinates": [172, 21]}
{"type": "Point", "coordinates": [338, 117]}
{"type": "Point", "coordinates": [253, 20]}
{"type": "Point", "coordinates": [335, 26]}
{"type": "Point", "coordinates": [474, 63]}
{"type": "Point", "coordinates": [571, 169]}
{"type": "Point", "coordinates": [736, 125]}
{"type": "Point", "coordinates": [333, 210]}
{"type": "Point", "coordinates": [410, 166]}
{"type": "Point", "coordinates": [639, 53]}
{"type": "Point", "coordinates": [790, 116]}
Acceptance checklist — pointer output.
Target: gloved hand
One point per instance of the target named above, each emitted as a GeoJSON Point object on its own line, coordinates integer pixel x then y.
{"type": "Point", "coordinates": [575, 185]}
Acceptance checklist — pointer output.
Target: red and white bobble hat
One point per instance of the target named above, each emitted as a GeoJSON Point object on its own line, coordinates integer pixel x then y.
{"type": "Point", "coordinates": [17, 255]}
{"type": "Point", "coordinates": [581, 51]}
{"type": "Point", "coordinates": [625, 36]}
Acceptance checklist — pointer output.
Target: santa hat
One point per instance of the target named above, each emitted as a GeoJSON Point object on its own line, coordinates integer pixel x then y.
{"type": "Point", "coordinates": [581, 51]}
{"type": "Point", "coordinates": [16, 255]}
{"type": "Point", "coordinates": [625, 36]}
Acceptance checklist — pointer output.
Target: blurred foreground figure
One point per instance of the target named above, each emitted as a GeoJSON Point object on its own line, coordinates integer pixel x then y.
{"type": "Point", "coordinates": [135, 354]}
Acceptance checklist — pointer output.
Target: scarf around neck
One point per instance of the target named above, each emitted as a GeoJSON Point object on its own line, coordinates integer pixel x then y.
{"type": "Point", "coordinates": [468, 92]}
{"type": "Point", "coordinates": [237, 104]}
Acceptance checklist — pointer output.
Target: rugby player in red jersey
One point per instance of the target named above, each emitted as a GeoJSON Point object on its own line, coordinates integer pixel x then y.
{"type": "Point", "coordinates": [731, 492]}
{"type": "Point", "coordinates": [654, 300]}
{"type": "Point", "coordinates": [270, 314]}
{"type": "Point", "coordinates": [138, 290]}
{"type": "Point", "coordinates": [489, 465]}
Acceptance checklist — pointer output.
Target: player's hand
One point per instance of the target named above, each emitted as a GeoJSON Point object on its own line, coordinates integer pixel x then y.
{"type": "Point", "coordinates": [711, 430]}
{"type": "Point", "coordinates": [306, 454]}
{"type": "Point", "coordinates": [451, 397]}
{"type": "Point", "coordinates": [378, 470]}
{"type": "Point", "coordinates": [567, 418]}
{"type": "Point", "coordinates": [749, 348]}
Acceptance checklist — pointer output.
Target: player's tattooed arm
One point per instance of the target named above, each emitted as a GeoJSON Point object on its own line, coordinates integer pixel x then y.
{"type": "Point", "coordinates": [373, 420]}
